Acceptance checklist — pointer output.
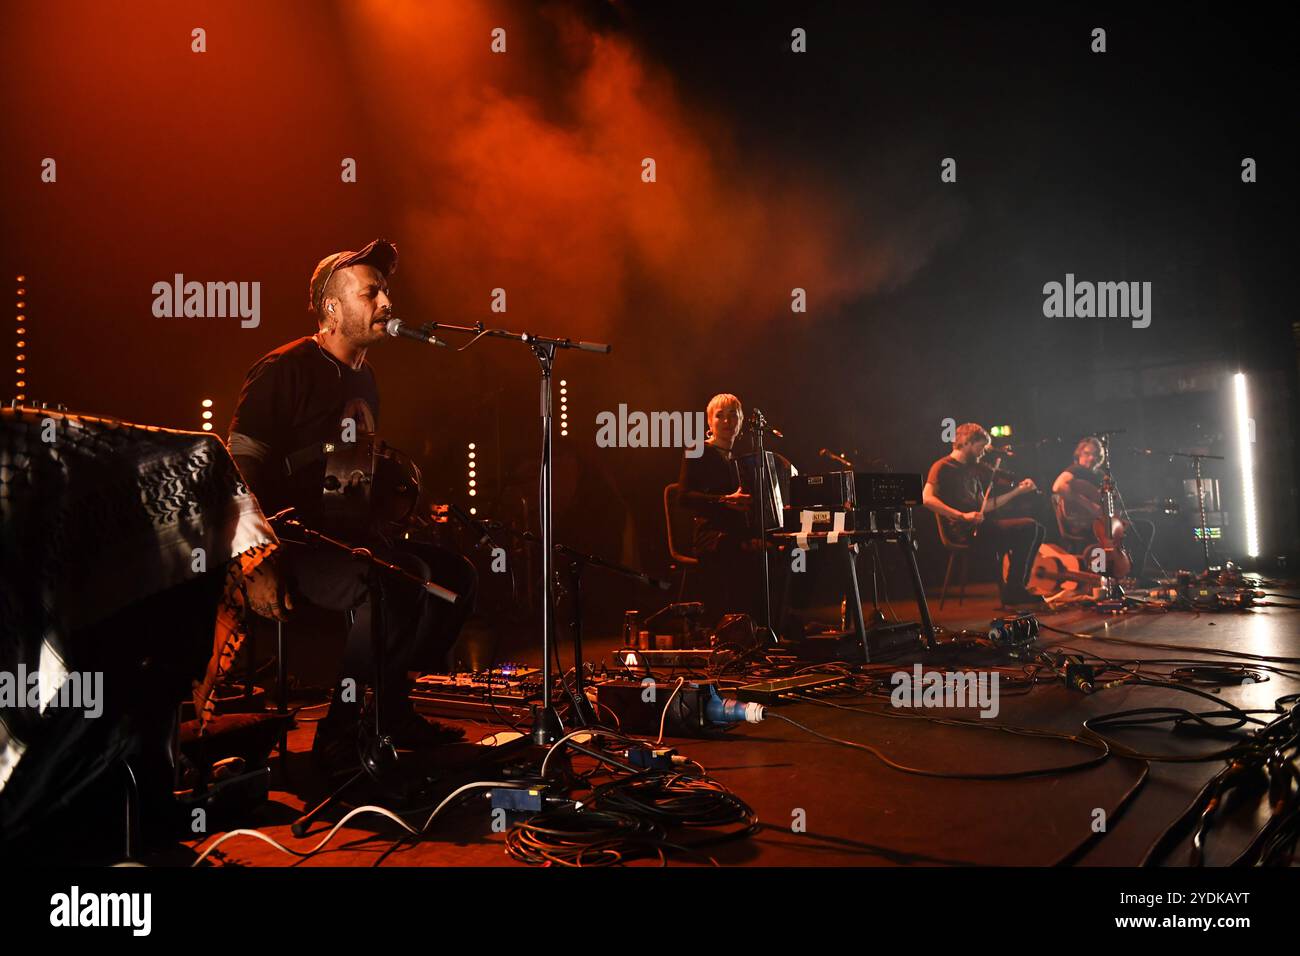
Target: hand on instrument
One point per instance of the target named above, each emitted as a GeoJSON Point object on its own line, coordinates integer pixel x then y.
{"type": "Point", "coordinates": [737, 501]}
{"type": "Point", "coordinates": [973, 517]}
{"type": "Point", "coordinates": [1027, 484]}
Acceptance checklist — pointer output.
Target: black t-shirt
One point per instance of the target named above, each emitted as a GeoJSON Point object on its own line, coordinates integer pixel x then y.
{"type": "Point", "coordinates": [956, 484]}
{"type": "Point", "coordinates": [294, 400]}
{"type": "Point", "coordinates": [702, 480]}
{"type": "Point", "coordinates": [1087, 474]}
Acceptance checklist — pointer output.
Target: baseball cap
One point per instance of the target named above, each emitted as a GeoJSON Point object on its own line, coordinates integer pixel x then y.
{"type": "Point", "coordinates": [380, 253]}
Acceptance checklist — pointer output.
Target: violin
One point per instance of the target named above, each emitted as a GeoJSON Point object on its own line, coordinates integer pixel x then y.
{"type": "Point", "coordinates": [993, 503]}
{"type": "Point", "coordinates": [997, 475]}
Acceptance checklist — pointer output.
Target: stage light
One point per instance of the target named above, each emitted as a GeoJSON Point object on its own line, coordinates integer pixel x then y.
{"type": "Point", "coordinates": [471, 466]}
{"type": "Point", "coordinates": [207, 415]}
{"type": "Point", "coordinates": [207, 403]}
{"type": "Point", "coordinates": [564, 409]}
{"type": "Point", "coordinates": [207, 426]}
{"type": "Point", "coordinates": [1245, 427]}
{"type": "Point", "coordinates": [473, 511]}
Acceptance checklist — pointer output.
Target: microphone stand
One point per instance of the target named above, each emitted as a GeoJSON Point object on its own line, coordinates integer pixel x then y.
{"type": "Point", "coordinates": [1200, 498]}
{"type": "Point", "coordinates": [759, 425]}
{"type": "Point", "coordinates": [546, 719]}
{"type": "Point", "coordinates": [578, 563]}
{"type": "Point", "coordinates": [1113, 589]}
{"type": "Point", "coordinates": [376, 749]}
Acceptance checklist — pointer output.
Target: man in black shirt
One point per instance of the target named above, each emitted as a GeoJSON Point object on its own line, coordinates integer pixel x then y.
{"type": "Point", "coordinates": [954, 490]}
{"type": "Point", "coordinates": [317, 390]}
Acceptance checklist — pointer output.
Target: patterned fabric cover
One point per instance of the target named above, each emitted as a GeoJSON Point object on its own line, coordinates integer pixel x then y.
{"type": "Point", "coordinates": [97, 515]}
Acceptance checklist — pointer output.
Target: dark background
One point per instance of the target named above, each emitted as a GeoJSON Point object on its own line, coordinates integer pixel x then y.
{"type": "Point", "coordinates": [775, 170]}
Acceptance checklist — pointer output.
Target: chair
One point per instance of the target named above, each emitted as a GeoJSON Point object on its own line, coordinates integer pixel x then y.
{"type": "Point", "coordinates": [1072, 543]}
{"type": "Point", "coordinates": [956, 551]}
{"type": "Point", "coordinates": [679, 527]}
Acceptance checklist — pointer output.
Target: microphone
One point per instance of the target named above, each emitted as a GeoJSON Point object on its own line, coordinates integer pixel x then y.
{"type": "Point", "coordinates": [396, 327]}
{"type": "Point", "coordinates": [827, 453]}
{"type": "Point", "coordinates": [1003, 450]}
{"type": "Point", "coordinates": [759, 420]}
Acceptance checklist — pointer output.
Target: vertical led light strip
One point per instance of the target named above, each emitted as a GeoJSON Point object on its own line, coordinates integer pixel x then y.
{"type": "Point", "coordinates": [564, 408]}
{"type": "Point", "coordinates": [207, 414]}
{"type": "Point", "coordinates": [472, 477]}
{"type": "Point", "coordinates": [20, 337]}
{"type": "Point", "coordinates": [1247, 463]}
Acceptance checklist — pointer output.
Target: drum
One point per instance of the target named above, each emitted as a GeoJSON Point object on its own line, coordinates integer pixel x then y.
{"type": "Point", "coordinates": [369, 487]}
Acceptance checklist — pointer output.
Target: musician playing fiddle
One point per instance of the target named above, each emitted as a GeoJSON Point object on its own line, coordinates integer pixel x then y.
{"type": "Point", "coordinates": [959, 490]}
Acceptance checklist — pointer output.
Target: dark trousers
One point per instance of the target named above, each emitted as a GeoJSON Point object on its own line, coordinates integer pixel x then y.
{"type": "Point", "coordinates": [1017, 537]}
{"type": "Point", "coordinates": [731, 581]}
{"type": "Point", "coordinates": [418, 628]}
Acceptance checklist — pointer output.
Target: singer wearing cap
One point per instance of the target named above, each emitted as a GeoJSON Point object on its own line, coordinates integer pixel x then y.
{"type": "Point", "coordinates": [309, 392]}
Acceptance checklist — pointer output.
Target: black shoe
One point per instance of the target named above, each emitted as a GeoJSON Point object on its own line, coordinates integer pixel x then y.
{"type": "Point", "coordinates": [1020, 597]}
{"type": "Point", "coordinates": [410, 731]}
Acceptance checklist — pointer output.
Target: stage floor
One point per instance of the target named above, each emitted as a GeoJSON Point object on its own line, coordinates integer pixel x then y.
{"type": "Point", "coordinates": [858, 812]}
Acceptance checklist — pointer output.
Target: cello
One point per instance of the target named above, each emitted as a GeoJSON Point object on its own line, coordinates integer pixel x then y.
{"type": "Point", "coordinates": [1109, 530]}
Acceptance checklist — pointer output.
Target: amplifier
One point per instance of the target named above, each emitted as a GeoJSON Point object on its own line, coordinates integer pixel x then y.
{"type": "Point", "coordinates": [833, 490]}
{"type": "Point", "coordinates": [887, 490]}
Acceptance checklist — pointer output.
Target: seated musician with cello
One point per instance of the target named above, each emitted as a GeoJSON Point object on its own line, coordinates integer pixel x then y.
{"type": "Point", "coordinates": [1080, 488]}
{"type": "Point", "coordinates": [960, 490]}
{"type": "Point", "coordinates": [297, 398]}
{"type": "Point", "coordinates": [725, 544]}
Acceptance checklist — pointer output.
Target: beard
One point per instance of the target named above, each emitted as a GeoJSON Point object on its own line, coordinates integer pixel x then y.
{"type": "Point", "coordinates": [361, 331]}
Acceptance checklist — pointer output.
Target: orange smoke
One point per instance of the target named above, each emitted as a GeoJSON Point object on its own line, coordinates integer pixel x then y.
{"type": "Point", "coordinates": [525, 172]}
